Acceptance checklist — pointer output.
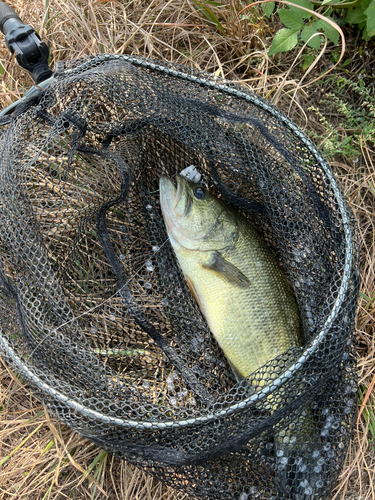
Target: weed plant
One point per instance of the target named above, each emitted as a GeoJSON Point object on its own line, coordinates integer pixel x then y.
{"type": "Point", "coordinates": [355, 124]}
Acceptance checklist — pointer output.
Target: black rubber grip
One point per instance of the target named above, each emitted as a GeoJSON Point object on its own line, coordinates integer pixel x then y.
{"type": "Point", "coordinates": [6, 12]}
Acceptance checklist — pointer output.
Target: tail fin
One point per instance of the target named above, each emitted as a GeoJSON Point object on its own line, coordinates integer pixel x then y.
{"type": "Point", "coordinates": [298, 458]}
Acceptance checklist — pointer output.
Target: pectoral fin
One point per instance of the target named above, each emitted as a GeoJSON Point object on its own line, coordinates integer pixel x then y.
{"type": "Point", "coordinates": [226, 270]}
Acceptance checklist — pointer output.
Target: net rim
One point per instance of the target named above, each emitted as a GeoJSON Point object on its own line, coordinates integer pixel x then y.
{"type": "Point", "coordinates": [239, 92]}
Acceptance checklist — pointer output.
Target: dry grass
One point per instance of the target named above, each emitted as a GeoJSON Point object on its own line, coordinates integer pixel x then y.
{"type": "Point", "coordinates": [357, 479]}
{"type": "Point", "coordinates": [40, 458]}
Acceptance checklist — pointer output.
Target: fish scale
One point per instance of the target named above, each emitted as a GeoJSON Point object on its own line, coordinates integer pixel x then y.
{"type": "Point", "coordinates": [248, 304]}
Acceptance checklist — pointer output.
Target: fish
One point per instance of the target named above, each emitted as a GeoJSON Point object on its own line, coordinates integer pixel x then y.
{"type": "Point", "coordinates": [246, 300]}
{"type": "Point", "coordinates": [249, 307]}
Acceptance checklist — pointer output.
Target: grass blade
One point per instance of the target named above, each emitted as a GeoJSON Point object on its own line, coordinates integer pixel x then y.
{"type": "Point", "coordinates": [210, 16]}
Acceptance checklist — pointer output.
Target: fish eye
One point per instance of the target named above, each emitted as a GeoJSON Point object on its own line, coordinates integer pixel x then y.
{"type": "Point", "coordinates": [199, 193]}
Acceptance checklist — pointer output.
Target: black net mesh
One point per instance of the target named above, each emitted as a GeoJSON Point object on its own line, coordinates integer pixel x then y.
{"type": "Point", "coordinates": [97, 317]}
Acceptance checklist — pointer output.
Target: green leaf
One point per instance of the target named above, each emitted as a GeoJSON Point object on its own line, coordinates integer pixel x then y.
{"type": "Point", "coordinates": [331, 33]}
{"type": "Point", "coordinates": [305, 35]}
{"type": "Point", "coordinates": [370, 21]}
{"type": "Point", "coordinates": [268, 8]}
{"type": "Point", "coordinates": [364, 33]}
{"type": "Point", "coordinates": [283, 41]}
{"type": "Point", "coordinates": [291, 19]}
{"type": "Point", "coordinates": [308, 59]}
{"type": "Point", "coordinates": [346, 140]}
{"type": "Point", "coordinates": [364, 4]}
{"type": "Point", "coordinates": [364, 296]}
{"type": "Point", "coordinates": [303, 3]}
{"type": "Point", "coordinates": [355, 16]}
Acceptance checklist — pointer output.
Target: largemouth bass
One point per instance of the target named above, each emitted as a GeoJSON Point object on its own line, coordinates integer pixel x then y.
{"type": "Point", "coordinates": [249, 306]}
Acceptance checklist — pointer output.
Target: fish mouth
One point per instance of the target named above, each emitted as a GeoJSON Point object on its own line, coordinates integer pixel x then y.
{"type": "Point", "coordinates": [174, 207]}
{"type": "Point", "coordinates": [178, 194]}
{"type": "Point", "coordinates": [170, 196]}
{"type": "Point", "coordinates": [167, 198]}
{"type": "Point", "coordinates": [167, 193]}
